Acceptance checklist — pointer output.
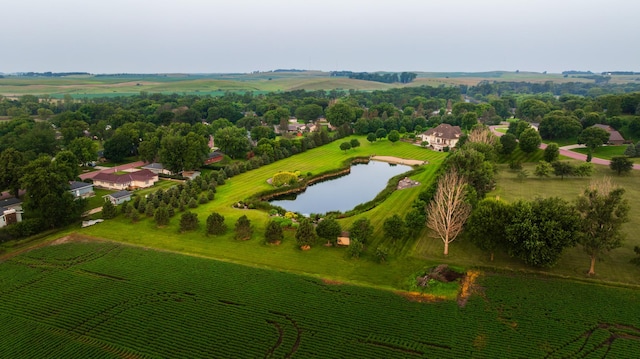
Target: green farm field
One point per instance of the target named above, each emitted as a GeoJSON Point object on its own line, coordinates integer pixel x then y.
{"type": "Point", "coordinates": [91, 299]}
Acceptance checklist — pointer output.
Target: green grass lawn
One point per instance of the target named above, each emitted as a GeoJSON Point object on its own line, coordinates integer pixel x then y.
{"type": "Point", "coordinates": [97, 200]}
{"type": "Point", "coordinates": [320, 260]}
{"type": "Point", "coordinates": [606, 152]}
{"type": "Point", "coordinates": [574, 262]}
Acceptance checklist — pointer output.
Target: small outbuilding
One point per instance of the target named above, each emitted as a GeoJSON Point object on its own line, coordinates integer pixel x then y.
{"type": "Point", "coordinates": [343, 239]}
{"type": "Point", "coordinates": [81, 189]}
{"type": "Point", "coordinates": [119, 197]}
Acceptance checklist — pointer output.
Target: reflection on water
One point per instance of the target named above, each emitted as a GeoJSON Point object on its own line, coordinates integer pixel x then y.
{"type": "Point", "coordinates": [343, 193]}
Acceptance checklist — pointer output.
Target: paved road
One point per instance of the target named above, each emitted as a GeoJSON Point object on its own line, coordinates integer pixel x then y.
{"type": "Point", "coordinates": [123, 167]}
{"type": "Point", "coordinates": [566, 151]}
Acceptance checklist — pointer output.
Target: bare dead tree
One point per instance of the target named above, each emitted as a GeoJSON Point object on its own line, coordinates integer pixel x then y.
{"type": "Point", "coordinates": [448, 211]}
{"type": "Point", "coordinates": [482, 134]}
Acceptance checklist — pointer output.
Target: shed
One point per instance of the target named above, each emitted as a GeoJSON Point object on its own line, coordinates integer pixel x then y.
{"type": "Point", "coordinates": [343, 239]}
{"type": "Point", "coordinates": [118, 197]}
{"type": "Point", "coordinates": [10, 211]}
{"type": "Point", "coordinates": [81, 189]}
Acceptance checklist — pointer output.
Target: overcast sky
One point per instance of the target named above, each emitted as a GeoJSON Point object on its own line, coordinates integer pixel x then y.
{"type": "Point", "coordinates": [219, 36]}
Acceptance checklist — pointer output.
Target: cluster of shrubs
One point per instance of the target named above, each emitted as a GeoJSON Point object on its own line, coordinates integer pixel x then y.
{"type": "Point", "coordinates": [633, 150]}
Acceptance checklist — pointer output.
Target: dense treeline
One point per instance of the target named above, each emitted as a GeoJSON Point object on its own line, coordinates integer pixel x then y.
{"type": "Point", "coordinates": [256, 129]}
{"type": "Point", "coordinates": [389, 78]}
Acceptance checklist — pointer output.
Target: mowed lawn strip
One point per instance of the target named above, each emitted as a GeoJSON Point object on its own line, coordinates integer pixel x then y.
{"type": "Point", "coordinates": [574, 262]}
{"type": "Point", "coordinates": [321, 261]}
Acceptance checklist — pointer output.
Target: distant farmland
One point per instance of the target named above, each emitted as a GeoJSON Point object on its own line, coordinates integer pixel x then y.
{"type": "Point", "coordinates": [88, 86]}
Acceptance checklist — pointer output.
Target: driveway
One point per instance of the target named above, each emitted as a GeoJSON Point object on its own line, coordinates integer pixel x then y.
{"type": "Point", "coordinates": [566, 150]}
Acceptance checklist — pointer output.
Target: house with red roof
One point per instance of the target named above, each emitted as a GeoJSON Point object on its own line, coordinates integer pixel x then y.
{"type": "Point", "coordinates": [131, 180]}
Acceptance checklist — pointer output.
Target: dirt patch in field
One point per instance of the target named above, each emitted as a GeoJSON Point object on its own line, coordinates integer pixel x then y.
{"type": "Point", "coordinates": [398, 160]}
{"type": "Point", "coordinates": [468, 287]}
{"type": "Point", "coordinates": [421, 297]}
{"type": "Point", "coordinates": [331, 282]}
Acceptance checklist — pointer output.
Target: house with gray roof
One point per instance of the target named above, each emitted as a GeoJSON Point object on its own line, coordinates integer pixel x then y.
{"type": "Point", "coordinates": [444, 135]}
{"type": "Point", "coordinates": [118, 197]}
{"type": "Point", "coordinates": [81, 189]}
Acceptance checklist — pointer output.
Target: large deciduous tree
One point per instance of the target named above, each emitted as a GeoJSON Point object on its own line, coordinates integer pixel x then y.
{"type": "Point", "coordinates": [329, 229]}
{"type": "Point", "coordinates": [340, 114]}
{"type": "Point", "coordinates": [84, 148]}
{"type": "Point", "coordinates": [472, 164]}
{"type": "Point", "coordinates": [529, 140]}
{"type": "Point", "coordinates": [233, 141]}
{"type": "Point", "coordinates": [362, 230]}
{"type": "Point", "coordinates": [449, 210]}
{"type": "Point", "coordinates": [394, 227]}
{"type": "Point", "coordinates": [621, 164]}
{"type": "Point", "coordinates": [509, 143]}
{"type": "Point", "coordinates": [47, 193]}
{"type": "Point", "coordinates": [487, 223]}
{"type": "Point", "coordinates": [593, 137]}
{"type": "Point", "coordinates": [603, 210]}
{"type": "Point", "coordinates": [119, 146]}
{"type": "Point", "coordinates": [11, 167]}
{"type": "Point", "coordinates": [540, 230]}
{"type": "Point", "coordinates": [552, 152]}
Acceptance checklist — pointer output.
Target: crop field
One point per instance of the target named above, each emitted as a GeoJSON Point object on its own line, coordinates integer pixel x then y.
{"type": "Point", "coordinates": [86, 299]}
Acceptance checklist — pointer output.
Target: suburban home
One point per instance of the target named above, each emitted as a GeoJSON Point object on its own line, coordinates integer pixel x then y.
{"type": "Point", "coordinates": [191, 175]}
{"type": "Point", "coordinates": [444, 135]}
{"type": "Point", "coordinates": [213, 157]}
{"type": "Point", "coordinates": [615, 138]}
{"type": "Point", "coordinates": [10, 211]}
{"type": "Point", "coordinates": [81, 189]}
{"type": "Point", "coordinates": [156, 168]}
{"type": "Point", "coordinates": [131, 180]}
{"type": "Point", "coordinates": [118, 197]}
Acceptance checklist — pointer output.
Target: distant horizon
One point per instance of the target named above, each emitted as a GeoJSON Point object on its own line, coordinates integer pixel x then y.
{"type": "Point", "coordinates": [70, 73]}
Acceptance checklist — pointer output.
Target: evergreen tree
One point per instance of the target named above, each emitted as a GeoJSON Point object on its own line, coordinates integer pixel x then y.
{"type": "Point", "coordinates": [108, 210]}
{"type": "Point", "coordinates": [215, 224]}
{"type": "Point", "coordinates": [273, 232]}
{"type": "Point", "coordinates": [305, 234]}
{"type": "Point", "coordinates": [243, 228]}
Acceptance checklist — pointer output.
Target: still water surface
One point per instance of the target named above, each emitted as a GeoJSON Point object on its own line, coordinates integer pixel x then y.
{"type": "Point", "coordinates": [343, 193]}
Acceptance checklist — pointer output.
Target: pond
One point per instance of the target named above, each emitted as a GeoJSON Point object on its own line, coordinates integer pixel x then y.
{"type": "Point", "coordinates": [343, 193]}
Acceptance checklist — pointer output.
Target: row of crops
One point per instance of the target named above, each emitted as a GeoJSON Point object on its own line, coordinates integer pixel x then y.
{"type": "Point", "coordinates": [105, 300]}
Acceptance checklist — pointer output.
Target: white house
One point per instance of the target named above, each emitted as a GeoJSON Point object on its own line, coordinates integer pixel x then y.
{"type": "Point", "coordinates": [81, 189]}
{"type": "Point", "coordinates": [138, 179]}
{"type": "Point", "coordinates": [444, 135]}
{"type": "Point", "coordinates": [10, 211]}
